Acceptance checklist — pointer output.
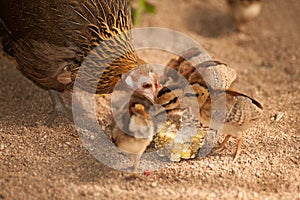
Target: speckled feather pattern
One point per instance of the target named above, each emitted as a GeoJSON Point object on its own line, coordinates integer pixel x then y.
{"type": "Point", "coordinates": [208, 83]}
{"type": "Point", "coordinates": [213, 73]}
{"type": "Point", "coordinates": [240, 109]}
{"type": "Point", "coordinates": [58, 35]}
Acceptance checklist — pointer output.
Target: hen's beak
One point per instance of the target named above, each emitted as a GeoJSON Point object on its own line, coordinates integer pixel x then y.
{"type": "Point", "coordinates": [143, 81]}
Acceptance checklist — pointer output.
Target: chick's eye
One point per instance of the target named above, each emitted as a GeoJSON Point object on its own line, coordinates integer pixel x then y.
{"type": "Point", "coordinates": [147, 85]}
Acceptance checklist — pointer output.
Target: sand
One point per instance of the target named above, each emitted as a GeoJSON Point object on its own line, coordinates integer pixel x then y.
{"type": "Point", "coordinates": [39, 162]}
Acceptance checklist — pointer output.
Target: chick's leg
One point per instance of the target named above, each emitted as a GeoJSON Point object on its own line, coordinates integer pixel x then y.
{"type": "Point", "coordinates": [238, 149]}
{"type": "Point", "coordinates": [223, 144]}
{"type": "Point", "coordinates": [58, 108]}
{"type": "Point", "coordinates": [135, 160]}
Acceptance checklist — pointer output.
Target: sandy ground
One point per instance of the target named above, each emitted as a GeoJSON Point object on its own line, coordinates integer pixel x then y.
{"type": "Point", "coordinates": [37, 162]}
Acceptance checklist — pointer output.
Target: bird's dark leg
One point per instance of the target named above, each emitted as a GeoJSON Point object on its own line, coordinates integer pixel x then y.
{"type": "Point", "coordinates": [58, 108]}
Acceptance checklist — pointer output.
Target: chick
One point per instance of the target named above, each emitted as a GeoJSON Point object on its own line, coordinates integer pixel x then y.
{"type": "Point", "coordinates": [240, 111]}
{"type": "Point", "coordinates": [180, 101]}
{"type": "Point", "coordinates": [179, 135]}
{"type": "Point", "coordinates": [168, 98]}
{"type": "Point", "coordinates": [136, 132]}
{"type": "Point", "coordinates": [244, 11]}
{"type": "Point", "coordinates": [182, 75]}
{"type": "Point", "coordinates": [168, 118]}
{"type": "Point", "coordinates": [171, 74]}
{"type": "Point", "coordinates": [213, 73]}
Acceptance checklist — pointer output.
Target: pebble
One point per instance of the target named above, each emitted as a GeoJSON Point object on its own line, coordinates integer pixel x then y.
{"type": "Point", "coordinates": [69, 143]}
{"type": "Point", "coordinates": [211, 166]}
{"type": "Point", "coordinates": [153, 184]}
{"type": "Point", "coordinates": [277, 117]}
{"type": "Point", "coordinates": [257, 174]}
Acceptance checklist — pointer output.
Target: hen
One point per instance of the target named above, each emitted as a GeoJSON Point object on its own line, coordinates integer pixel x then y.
{"type": "Point", "coordinates": [55, 41]}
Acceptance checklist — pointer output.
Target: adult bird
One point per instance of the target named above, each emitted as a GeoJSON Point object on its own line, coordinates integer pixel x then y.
{"type": "Point", "coordinates": [53, 40]}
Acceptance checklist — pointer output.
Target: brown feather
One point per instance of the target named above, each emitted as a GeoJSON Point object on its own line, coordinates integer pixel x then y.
{"type": "Point", "coordinates": [53, 38]}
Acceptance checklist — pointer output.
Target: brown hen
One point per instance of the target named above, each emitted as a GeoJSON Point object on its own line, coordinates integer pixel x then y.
{"type": "Point", "coordinates": [53, 41]}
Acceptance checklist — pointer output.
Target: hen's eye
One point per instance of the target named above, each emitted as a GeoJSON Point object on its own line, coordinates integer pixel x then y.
{"type": "Point", "coordinates": [147, 85]}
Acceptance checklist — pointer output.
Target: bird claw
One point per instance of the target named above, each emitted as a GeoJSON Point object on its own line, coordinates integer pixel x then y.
{"type": "Point", "coordinates": [133, 169]}
{"type": "Point", "coordinates": [221, 148]}
{"type": "Point", "coordinates": [130, 169]}
{"type": "Point", "coordinates": [50, 119]}
{"type": "Point", "coordinates": [55, 113]}
{"type": "Point", "coordinates": [223, 144]}
{"type": "Point", "coordinates": [235, 157]}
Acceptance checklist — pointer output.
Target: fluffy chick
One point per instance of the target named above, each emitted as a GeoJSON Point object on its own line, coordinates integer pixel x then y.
{"type": "Point", "coordinates": [240, 111]}
{"type": "Point", "coordinates": [136, 134]}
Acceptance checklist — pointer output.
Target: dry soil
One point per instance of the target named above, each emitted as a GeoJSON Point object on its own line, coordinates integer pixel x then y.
{"type": "Point", "coordinates": [38, 162]}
